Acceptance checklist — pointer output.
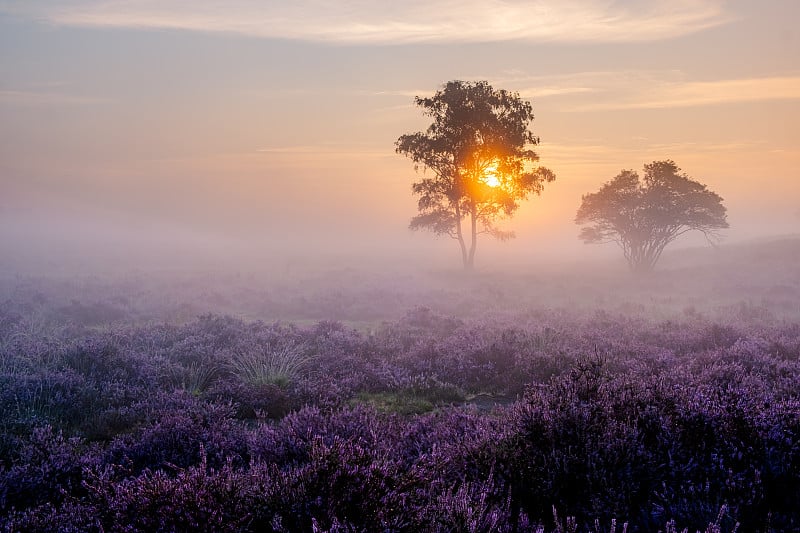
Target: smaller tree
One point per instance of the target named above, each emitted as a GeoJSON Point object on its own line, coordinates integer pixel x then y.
{"type": "Point", "coordinates": [644, 215]}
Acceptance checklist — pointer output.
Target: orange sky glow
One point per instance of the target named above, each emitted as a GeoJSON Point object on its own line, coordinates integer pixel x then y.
{"type": "Point", "coordinates": [248, 120]}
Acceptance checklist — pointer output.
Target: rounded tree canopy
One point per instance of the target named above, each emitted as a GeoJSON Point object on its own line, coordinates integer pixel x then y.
{"type": "Point", "coordinates": [644, 215]}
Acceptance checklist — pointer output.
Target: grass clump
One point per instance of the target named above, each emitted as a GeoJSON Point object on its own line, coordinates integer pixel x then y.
{"type": "Point", "coordinates": [271, 365]}
{"type": "Point", "coordinates": [196, 377]}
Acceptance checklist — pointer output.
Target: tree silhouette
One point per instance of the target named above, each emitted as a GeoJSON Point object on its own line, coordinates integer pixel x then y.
{"type": "Point", "coordinates": [478, 152]}
{"type": "Point", "coordinates": [644, 216]}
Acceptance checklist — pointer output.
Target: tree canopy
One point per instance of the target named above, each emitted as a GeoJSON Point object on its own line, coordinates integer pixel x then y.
{"type": "Point", "coordinates": [478, 150]}
{"type": "Point", "coordinates": [644, 215]}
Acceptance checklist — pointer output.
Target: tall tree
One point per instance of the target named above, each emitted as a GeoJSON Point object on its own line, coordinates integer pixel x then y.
{"type": "Point", "coordinates": [644, 215]}
{"type": "Point", "coordinates": [478, 152]}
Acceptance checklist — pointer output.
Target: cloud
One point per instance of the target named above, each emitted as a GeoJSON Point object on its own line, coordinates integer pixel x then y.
{"type": "Point", "coordinates": [391, 22]}
{"type": "Point", "coordinates": [326, 150]}
{"type": "Point", "coordinates": [37, 99]}
{"type": "Point", "coordinates": [648, 89]}
{"type": "Point", "coordinates": [587, 153]}
{"type": "Point", "coordinates": [703, 93]}
{"type": "Point", "coordinates": [576, 85]}
{"type": "Point", "coordinates": [553, 90]}
{"type": "Point", "coordinates": [630, 90]}
{"type": "Point", "coordinates": [402, 92]}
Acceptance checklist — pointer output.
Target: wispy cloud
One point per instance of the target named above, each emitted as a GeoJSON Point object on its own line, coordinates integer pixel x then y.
{"type": "Point", "coordinates": [39, 98]}
{"type": "Point", "coordinates": [621, 90]}
{"type": "Point", "coordinates": [650, 89]}
{"type": "Point", "coordinates": [586, 82]}
{"type": "Point", "coordinates": [691, 94]}
{"type": "Point", "coordinates": [588, 154]}
{"type": "Point", "coordinates": [535, 87]}
{"type": "Point", "coordinates": [553, 90]}
{"type": "Point", "coordinates": [325, 150]}
{"type": "Point", "coordinates": [391, 22]}
{"type": "Point", "coordinates": [405, 93]}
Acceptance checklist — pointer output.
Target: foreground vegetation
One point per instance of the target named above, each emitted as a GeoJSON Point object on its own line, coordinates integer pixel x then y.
{"type": "Point", "coordinates": [551, 421]}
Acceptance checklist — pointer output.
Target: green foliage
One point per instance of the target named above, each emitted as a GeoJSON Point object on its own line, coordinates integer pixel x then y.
{"type": "Point", "coordinates": [395, 402]}
{"type": "Point", "coordinates": [195, 378]}
{"type": "Point", "coordinates": [413, 400]}
{"type": "Point", "coordinates": [279, 364]}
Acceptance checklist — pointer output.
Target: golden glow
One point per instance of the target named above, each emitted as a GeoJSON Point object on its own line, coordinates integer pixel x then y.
{"type": "Point", "coordinates": [490, 175]}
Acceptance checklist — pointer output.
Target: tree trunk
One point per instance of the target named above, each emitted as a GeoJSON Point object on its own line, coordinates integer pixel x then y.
{"type": "Point", "coordinates": [641, 265]}
{"type": "Point", "coordinates": [460, 235]}
{"type": "Point", "coordinates": [474, 243]}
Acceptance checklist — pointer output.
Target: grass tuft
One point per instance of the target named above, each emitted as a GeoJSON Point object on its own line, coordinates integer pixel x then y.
{"type": "Point", "coordinates": [271, 365]}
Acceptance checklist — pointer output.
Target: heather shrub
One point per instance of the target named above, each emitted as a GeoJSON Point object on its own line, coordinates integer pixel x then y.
{"type": "Point", "coordinates": [426, 423]}
{"type": "Point", "coordinates": [198, 498]}
{"type": "Point", "coordinates": [44, 468]}
{"type": "Point", "coordinates": [347, 481]}
{"type": "Point", "coordinates": [101, 362]}
{"type": "Point", "coordinates": [474, 507]}
{"type": "Point", "coordinates": [289, 440]}
{"type": "Point", "coordinates": [655, 449]}
{"type": "Point", "coordinates": [63, 399]}
{"type": "Point", "coordinates": [253, 402]}
{"type": "Point", "coordinates": [176, 431]}
{"type": "Point", "coordinates": [568, 451]}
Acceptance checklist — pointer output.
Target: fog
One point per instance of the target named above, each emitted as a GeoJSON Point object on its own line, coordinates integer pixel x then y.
{"type": "Point", "coordinates": [363, 277]}
{"type": "Point", "coordinates": [130, 141]}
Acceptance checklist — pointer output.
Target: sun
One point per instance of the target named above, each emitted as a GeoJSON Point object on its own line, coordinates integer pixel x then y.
{"type": "Point", "coordinates": [490, 175]}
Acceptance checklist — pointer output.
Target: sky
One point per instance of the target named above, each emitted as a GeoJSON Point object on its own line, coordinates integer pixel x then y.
{"type": "Point", "coordinates": [272, 124]}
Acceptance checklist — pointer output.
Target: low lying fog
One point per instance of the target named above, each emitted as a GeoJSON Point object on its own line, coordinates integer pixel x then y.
{"type": "Point", "coordinates": [160, 272]}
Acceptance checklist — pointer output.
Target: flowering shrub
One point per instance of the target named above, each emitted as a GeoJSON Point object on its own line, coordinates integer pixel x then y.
{"type": "Point", "coordinates": [426, 423]}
